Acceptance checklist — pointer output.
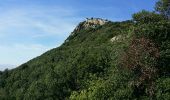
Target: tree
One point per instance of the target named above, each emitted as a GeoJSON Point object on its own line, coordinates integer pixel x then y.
{"type": "Point", "coordinates": [141, 58]}
{"type": "Point", "coordinates": [146, 17]}
{"type": "Point", "coordinates": [163, 7]}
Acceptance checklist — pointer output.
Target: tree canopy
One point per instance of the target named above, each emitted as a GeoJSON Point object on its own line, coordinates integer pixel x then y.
{"type": "Point", "coordinates": [163, 7]}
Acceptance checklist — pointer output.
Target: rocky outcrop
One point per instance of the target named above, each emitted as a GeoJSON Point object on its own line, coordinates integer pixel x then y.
{"type": "Point", "coordinates": [116, 38]}
{"type": "Point", "coordinates": [90, 22]}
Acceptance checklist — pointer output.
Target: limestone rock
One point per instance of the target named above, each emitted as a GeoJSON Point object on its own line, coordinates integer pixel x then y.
{"type": "Point", "coordinates": [90, 22]}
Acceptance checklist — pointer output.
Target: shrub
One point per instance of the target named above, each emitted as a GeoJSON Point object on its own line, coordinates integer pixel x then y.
{"type": "Point", "coordinates": [141, 58]}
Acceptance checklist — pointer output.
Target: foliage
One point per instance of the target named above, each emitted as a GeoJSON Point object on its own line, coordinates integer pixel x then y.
{"type": "Point", "coordinates": [88, 65]}
{"type": "Point", "coordinates": [163, 7]}
{"type": "Point", "coordinates": [141, 57]}
{"type": "Point", "coordinates": [163, 88]}
{"type": "Point", "coordinates": [145, 17]}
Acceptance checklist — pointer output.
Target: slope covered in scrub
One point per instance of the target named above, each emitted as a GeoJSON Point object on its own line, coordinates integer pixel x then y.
{"type": "Point", "coordinates": [115, 60]}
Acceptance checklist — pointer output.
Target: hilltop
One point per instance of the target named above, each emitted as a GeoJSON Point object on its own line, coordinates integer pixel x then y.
{"type": "Point", "coordinates": [90, 22]}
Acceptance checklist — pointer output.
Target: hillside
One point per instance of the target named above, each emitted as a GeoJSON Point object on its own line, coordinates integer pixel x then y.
{"type": "Point", "coordinates": [100, 59]}
{"type": "Point", "coordinates": [92, 61]}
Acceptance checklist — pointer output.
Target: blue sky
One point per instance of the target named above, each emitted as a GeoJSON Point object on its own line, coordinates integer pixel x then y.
{"type": "Point", "coordinates": [28, 28]}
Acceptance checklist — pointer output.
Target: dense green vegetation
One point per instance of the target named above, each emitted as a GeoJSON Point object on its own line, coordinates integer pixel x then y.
{"type": "Point", "coordinates": [90, 66]}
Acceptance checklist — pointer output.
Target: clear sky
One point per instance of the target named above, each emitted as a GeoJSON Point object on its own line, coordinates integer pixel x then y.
{"type": "Point", "coordinates": [28, 28]}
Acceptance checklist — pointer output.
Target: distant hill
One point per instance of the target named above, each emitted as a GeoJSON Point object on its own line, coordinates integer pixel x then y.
{"type": "Point", "coordinates": [4, 66]}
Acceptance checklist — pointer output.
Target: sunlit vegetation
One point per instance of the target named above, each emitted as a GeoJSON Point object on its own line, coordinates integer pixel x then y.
{"type": "Point", "coordinates": [89, 66]}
